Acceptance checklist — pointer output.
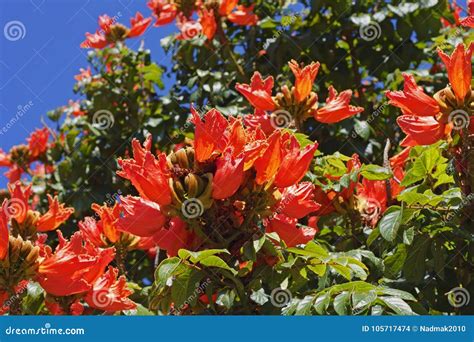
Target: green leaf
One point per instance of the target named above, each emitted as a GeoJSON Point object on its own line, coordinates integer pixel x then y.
{"type": "Point", "coordinates": [215, 261]}
{"type": "Point", "coordinates": [165, 270]}
{"type": "Point", "coordinates": [196, 257]}
{"type": "Point", "coordinates": [259, 297]}
{"type": "Point", "coordinates": [375, 172]}
{"type": "Point", "coordinates": [185, 287]}
{"type": "Point", "coordinates": [390, 223]}
{"type": "Point", "coordinates": [398, 305]}
{"type": "Point", "coordinates": [320, 270]}
{"type": "Point", "coordinates": [341, 303]}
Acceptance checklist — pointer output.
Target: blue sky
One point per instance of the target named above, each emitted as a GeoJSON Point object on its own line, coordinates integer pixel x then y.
{"type": "Point", "coordinates": [39, 60]}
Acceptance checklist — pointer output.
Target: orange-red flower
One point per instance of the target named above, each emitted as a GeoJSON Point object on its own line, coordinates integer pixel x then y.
{"type": "Point", "coordinates": [208, 23]}
{"type": "Point", "coordinates": [110, 294]}
{"type": "Point", "coordinates": [420, 130]}
{"type": "Point", "coordinates": [163, 10]}
{"type": "Point", "coordinates": [288, 231]}
{"type": "Point", "coordinates": [92, 231]}
{"type": "Point", "coordinates": [259, 119]}
{"type": "Point", "coordinates": [469, 20]}
{"type": "Point", "coordinates": [148, 174]}
{"type": "Point", "coordinates": [413, 100]}
{"type": "Point", "coordinates": [337, 107]}
{"type": "Point", "coordinates": [267, 165]}
{"type": "Point", "coordinates": [209, 134]}
{"type": "Point", "coordinates": [73, 267]}
{"type": "Point", "coordinates": [138, 25]}
{"type": "Point", "coordinates": [4, 234]}
{"type": "Point", "coordinates": [94, 41]}
{"type": "Point", "coordinates": [17, 207]}
{"type": "Point", "coordinates": [84, 74]}
{"type": "Point", "coordinates": [108, 219]}
{"type": "Point", "coordinates": [228, 176]}
{"type": "Point", "coordinates": [38, 142]}
{"type": "Point", "coordinates": [175, 236]}
{"type": "Point", "coordinates": [304, 78]}
{"type": "Point", "coordinates": [4, 159]}
{"type": "Point", "coordinates": [459, 70]}
{"type": "Point", "coordinates": [295, 162]}
{"type": "Point", "coordinates": [139, 216]}
{"type": "Point", "coordinates": [372, 200]}
{"type": "Point", "coordinates": [258, 92]}
{"type": "Point", "coordinates": [298, 200]}
{"type": "Point", "coordinates": [243, 16]}
{"type": "Point", "coordinates": [227, 6]}
{"type": "Point", "coordinates": [55, 216]}
{"type": "Point", "coordinates": [14, 173]}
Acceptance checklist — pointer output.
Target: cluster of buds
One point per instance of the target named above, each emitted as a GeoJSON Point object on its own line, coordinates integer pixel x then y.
{"type": "Point", "coordinates": [291, 107]}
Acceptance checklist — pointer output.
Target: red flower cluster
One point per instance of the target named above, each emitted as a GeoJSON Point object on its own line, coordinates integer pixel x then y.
{"type": "Point", "coordinates": [20, 158]}
{"type": "Point", "coordinates": [425, 119]}
{"type": "Point", "coordinates": [110, 32]}
{"type": "Point", "coordinates": [299, 103]}
{"type": "Point", "coordinates": [209, 16]}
